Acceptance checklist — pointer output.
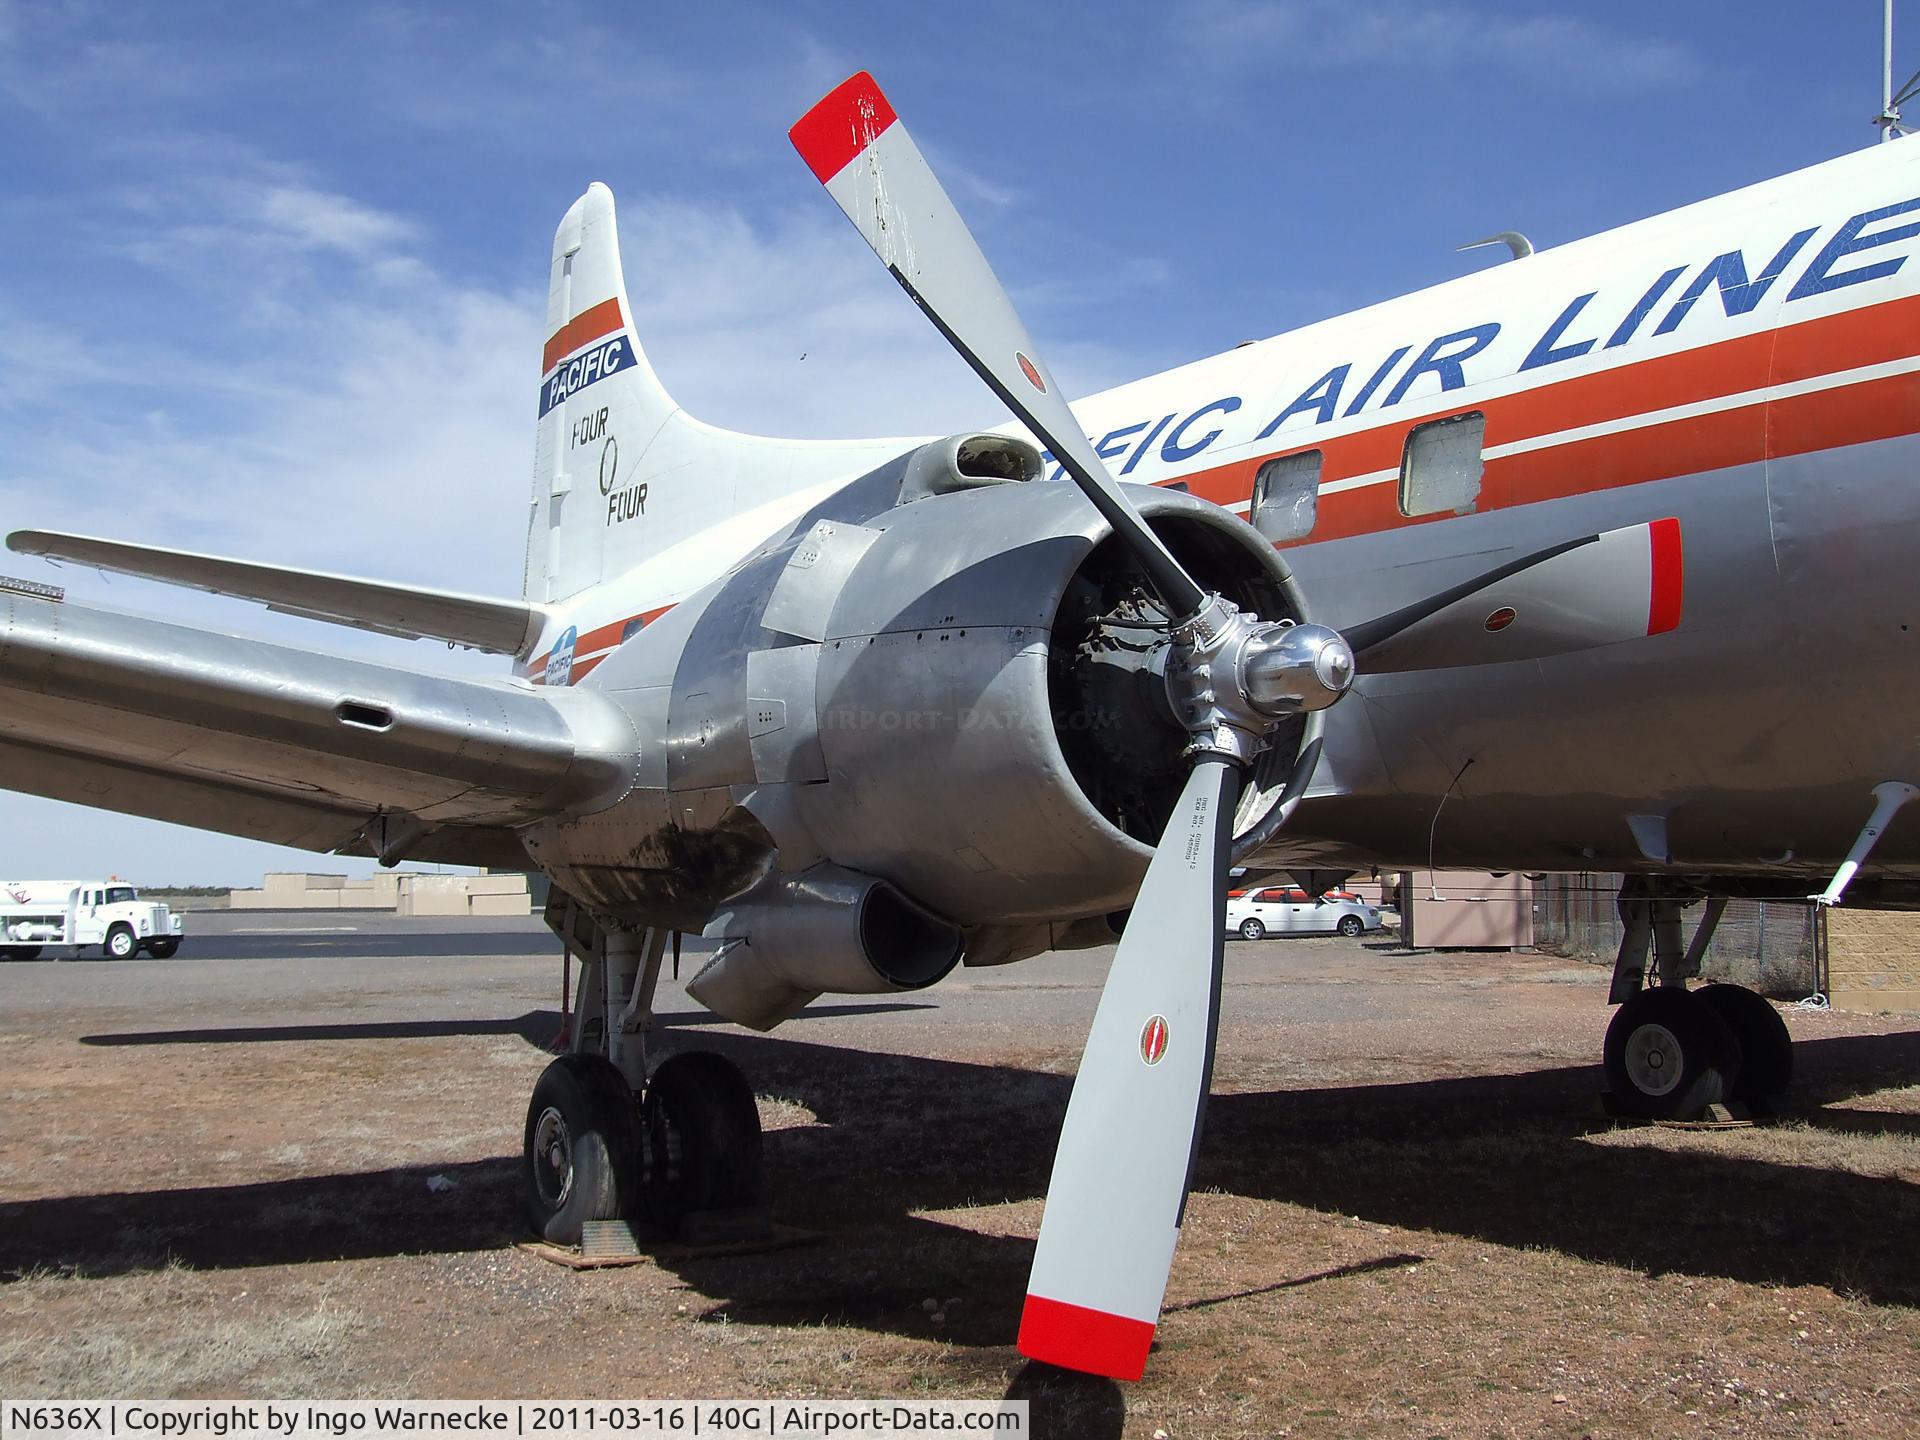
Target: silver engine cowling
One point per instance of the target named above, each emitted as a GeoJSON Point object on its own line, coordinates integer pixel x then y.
{"type": "Point", "coordinates": [947, 677]}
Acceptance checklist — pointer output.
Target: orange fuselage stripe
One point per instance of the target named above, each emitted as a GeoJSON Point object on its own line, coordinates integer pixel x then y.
{"type": "Point", "coordinates": [1866, 410]}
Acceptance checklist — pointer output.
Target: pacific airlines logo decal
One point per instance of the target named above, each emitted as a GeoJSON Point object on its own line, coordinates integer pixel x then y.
{"type": "Point", "coordinates": [1153, 1040]}
{"type": "Point", "coordinates": [560, 658]}
{"type": "Point", "coordinates": [597, 341]}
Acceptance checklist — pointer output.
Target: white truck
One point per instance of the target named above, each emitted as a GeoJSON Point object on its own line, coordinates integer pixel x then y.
{"type": "Point", "coordinates": [76, 914]}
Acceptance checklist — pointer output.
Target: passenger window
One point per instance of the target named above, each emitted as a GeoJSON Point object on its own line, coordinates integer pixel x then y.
{"type": "Point", "coordinates": [1286, 495]}
{"type": "Point", "coordinates": [1441, 467]}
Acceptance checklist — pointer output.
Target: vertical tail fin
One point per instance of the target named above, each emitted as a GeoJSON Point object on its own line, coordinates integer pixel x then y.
{"type": "Point", "coordinates": [620, 471]}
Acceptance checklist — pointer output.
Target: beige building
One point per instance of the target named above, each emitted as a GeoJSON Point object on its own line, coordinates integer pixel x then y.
{"type": "Point", "coordinates": [401, 892]}
{"type": "Point", "coordinates": [1873, 959]}
{"type": "Point", "coordinates": [1466, 909]}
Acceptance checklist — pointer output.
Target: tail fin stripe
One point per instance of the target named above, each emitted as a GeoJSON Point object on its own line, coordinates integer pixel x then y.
{"type": "Point", "coordinates": [588, 325]}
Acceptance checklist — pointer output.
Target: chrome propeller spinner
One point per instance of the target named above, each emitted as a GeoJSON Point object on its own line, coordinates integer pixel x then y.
{"type": "Point", "coordinates": [1232, 678]}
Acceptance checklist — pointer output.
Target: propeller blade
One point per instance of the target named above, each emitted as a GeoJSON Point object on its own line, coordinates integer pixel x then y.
{"type": "Point", "coordinates": [856, 146]}
{"type": "Point", "coordinates": [1618, 585]}
{"type": "Point", "coordinates": [1120, 1175]}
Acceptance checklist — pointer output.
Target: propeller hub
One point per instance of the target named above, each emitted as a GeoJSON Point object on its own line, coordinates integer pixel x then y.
{"type": "Point", "coordinates": [1233, 678]}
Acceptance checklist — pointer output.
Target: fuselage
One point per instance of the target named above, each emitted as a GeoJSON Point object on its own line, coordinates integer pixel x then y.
{"type": "Point", "coordinates": [1747, 364]}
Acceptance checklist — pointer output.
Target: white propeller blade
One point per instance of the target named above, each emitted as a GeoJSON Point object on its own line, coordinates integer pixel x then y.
{"type": "Point", "coordinates": [857, 147]}
{"type": "Point", "coordinates": [1120, 1176]}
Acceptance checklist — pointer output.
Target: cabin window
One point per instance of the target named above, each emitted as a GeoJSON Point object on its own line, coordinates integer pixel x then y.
{"type": "Point", "coordinates": [1286, 496]}
{"type": "Point", "coordinates": [1440, 470]}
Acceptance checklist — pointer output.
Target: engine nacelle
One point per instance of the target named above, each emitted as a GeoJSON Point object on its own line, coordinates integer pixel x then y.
{"type": "Point", "coordinates": [944, 677]}
{"type": "Point", "coordinates": [795, 936]}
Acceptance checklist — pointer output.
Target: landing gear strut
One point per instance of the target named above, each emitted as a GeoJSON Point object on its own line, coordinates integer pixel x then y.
{"type": "Point", "coordinates": [677, 1149]}
{"type": "Point", "coordinates": [1671, 1052]}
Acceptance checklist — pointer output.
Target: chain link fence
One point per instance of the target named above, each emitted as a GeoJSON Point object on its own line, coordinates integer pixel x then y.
{"type": "Point", "coordinates": [1767, 945]}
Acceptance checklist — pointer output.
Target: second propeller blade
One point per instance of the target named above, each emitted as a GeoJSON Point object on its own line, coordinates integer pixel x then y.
{"type": "Point", "coordinates": [1120, 1176]}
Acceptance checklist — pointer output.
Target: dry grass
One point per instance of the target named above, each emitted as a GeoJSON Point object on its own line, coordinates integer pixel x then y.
{"type": "Point", "coordinates": [166, 1342]}
{"type": "Point", "coordinates": [1392, 1236]}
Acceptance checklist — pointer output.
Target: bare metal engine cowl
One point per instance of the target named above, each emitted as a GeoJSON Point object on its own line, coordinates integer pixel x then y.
{"type": "Point", "coordinates": [916, 682]}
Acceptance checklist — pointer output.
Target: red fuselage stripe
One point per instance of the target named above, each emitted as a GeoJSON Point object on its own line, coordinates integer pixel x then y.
{"type": "Point", "coordinates": [1852, 414]}
{"type": "Point", "coordinates": [1813, 348]}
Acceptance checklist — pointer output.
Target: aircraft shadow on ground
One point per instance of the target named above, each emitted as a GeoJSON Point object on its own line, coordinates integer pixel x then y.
{"type": "Point", "coordinates": [327, 945]}
{"type": "Point", "coordinates": [539, 1028]}
{"type": "Point", "coordinates": [1501, 1159]}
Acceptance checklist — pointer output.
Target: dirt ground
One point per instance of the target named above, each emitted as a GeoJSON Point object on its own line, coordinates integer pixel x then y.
{"type": "Point", "coordinates": [215, 1180]}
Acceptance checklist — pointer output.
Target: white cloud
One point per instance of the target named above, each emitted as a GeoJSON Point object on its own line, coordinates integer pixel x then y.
{"type": "Point", "coordinates": [265, 363]}
{"type": "Point", "coordinates": [1552, 48]}
{"type": "Point", "coordinates": [390, 432]}
{"type": "Point", "coordinates": [333, 222]}
{"type": "Point", "coordinates": [727, 309]}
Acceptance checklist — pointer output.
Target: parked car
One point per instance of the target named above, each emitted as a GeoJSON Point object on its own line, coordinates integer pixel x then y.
{"type": "Point", "coordinates": [1285, 910]}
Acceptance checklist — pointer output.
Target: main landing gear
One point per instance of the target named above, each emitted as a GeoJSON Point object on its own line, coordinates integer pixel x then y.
{"type": "Point", "coordinates": [676, 1150]}
{"type": "Point", "coordinates": [1672, 1052]}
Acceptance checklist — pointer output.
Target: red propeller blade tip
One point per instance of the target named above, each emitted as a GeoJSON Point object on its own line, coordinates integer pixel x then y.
{"type": "Point", "coordinates": [837, 129]}
{"type": "Point", "coordinates": [1090, 1341]}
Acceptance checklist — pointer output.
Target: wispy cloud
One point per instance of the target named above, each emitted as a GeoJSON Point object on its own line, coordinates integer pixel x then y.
{"type": "Point", "coordinates": [327, 221]}
{"type": "Point", "coordinates": [1552, 48]}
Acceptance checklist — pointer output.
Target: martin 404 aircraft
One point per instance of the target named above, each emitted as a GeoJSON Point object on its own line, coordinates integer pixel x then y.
{"type": "Point", "coordinates": [1599, 559]}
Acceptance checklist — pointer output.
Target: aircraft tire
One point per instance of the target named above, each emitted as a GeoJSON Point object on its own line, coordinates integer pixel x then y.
{"type": "Point", "coordinates": [581, 1156]}
{"type": "Point", "coordinates": [163, 949]}
{"type": "Point", "coordinates": [700, 1134]}
{"type": "Point", "coordinates": [1252, 929]}
{"type": "Point", "coordinates": [1766, 1049]}
{"type": "Point", "coordinates": [1669, 1055]}
{"type": "Point", "coordinates": [120, 944]}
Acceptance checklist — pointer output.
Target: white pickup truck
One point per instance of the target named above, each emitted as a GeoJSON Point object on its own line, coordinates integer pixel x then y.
{"type": "Point", "coordinates": [75, 914]}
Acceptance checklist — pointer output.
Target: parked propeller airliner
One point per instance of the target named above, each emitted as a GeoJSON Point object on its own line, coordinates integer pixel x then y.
{"type": "Point", "coordinates": [1596, 559]}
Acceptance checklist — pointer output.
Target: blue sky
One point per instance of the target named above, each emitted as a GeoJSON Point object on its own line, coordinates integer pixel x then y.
{"type": "Point", "coordinates": [272, 277]}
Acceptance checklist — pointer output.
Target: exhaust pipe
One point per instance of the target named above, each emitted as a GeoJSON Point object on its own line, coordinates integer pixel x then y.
{"type": "Point", "coordinates": [795, 937]}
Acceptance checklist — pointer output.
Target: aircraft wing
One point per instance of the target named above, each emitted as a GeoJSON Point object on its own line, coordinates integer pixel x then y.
{"type": "Point", "coordinates": [479, 622]}
{"type": "Point", "coordinates": [289, 745]}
